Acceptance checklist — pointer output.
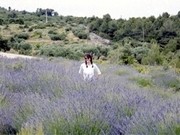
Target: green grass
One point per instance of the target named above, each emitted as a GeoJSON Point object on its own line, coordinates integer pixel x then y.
{"type": "Point", "coordinates": [80, 125]}
{"type": "Point", "coordinates": [3, 101]}
{"type": "Point", "coordinates": [32, 131]}
{"type": "Point", "coordinates": [143, 82]}
{"type": "Point", "coordinates": [121, 72]}
{"type": "Point", "coordinates": [175, 84]}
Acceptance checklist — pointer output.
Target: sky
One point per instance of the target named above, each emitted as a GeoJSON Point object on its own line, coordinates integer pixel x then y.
{"type": "Point", "coordinates": [87, 8]}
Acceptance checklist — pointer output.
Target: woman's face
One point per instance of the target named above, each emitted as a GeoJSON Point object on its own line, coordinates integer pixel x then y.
{"type": "Point", "coordinates": [87, 59]}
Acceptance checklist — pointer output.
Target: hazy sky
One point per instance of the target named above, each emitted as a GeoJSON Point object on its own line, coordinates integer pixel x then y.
{"type": "Point", "coordinates": [116, 8]}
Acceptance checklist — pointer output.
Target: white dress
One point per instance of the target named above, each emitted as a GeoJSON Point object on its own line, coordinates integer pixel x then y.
{"type": "Point", "coordinates": [89, 71]}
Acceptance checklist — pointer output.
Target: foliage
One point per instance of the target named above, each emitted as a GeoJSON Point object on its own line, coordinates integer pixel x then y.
{"type": "Point", "coordinates": [80, 32]}
{"type": "Point", "coordinates": [4, 44]}
{"type": "Point", "coordinates": [143, 82]}
{"type": "Point", "coordinates": [148, 41]}
{"type": "Point", "coordinates": [22, 36]}
{"type": "Point", "coordinates": [55, 37]}
{"type": "Point", "coordinates": [154, 56]}
{"type": "Point", "coordinates": [58, 51]}
{"type": "Point", "coordinates": [140, 52]}
{"type": "Point", "coordinates": [79, 126]}
{"type": "Point", "coordinates": [122, 55]}
{"type": "Point", "coordinates": [23, 48]}
{"type": "Point", "coordinates": [166, 80]}
{"type": "Point", "coordinates": [31, 130]}
{"type": "Point", "coordinates": [141, 68]}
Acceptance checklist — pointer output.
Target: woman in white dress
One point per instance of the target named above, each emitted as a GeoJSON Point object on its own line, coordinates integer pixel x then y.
{"type": "Point", "coordinates": [88, 68]}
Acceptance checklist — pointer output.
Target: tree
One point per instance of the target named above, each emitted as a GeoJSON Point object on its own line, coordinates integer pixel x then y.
{"type": "Point", "coordinates": [12, 15]}
{"type": "Point", "coordinates": [94, 25]}
{"type": "Point", "coordinates": [104, 27]}
{"type": "Point", "coordinates": [40, 11]}
{"type": "Point", "coordinates": [178, 14]}
{"type": "Point", "coordinates": [107, 18]}
{"type": "Point", "coordinates": [154, 56]}
{"type": "Point", "coordinates": [112, 27]}
{"type": "Point", "coordinates": [171, 46]}
{"type": "Point", "coordinates": [9, 8]}
{"type": "Point", "coordinates": [4, 44]}
{"type": "Point", "coordinates": [165, 15]}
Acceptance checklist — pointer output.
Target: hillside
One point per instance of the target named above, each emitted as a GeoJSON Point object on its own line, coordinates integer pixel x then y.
{"type": "Point", "coordinates": [113, 41]}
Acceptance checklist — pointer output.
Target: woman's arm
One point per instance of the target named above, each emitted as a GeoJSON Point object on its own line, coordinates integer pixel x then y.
{"type": "Point", "coordinates": [97, 69]}
{"type": "Point", "coordinates": [81, 69]}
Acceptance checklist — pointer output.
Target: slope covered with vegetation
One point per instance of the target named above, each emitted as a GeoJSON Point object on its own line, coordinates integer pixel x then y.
{"type": "Point", "coordinates": [147, 41]}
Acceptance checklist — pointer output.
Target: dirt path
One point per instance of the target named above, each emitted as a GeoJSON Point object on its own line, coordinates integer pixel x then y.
{"type": "Point", "coordinates": [12, 56]}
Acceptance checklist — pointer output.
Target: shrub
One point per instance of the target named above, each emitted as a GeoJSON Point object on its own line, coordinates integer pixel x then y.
{"type": "Point", "coordinates": [32, 130]}
{"type": "Point", "coordinates": [154, 56]}
{"type": "Point", "coordinates": [143, 82]}
{"type": "Point", "coordinates": [80, 125]}
{"type": "Point", "coordinates": [40, 26]}
{"type": "Point", "coordinates": [141, 68]}
{"type": "Point", "coordinates": [121, 72]}
{"type": "Point", "coordinates": [166, 80]}
{"type": "Point", "coordinates": [90, 49]}
{"type": "Point", "coordinates": [52, 31]}
{"type": "Point", "coordinates": [22, 36]}
{"type": "Point", "coordinates": [175, 84]}
{"type": "Point", "coordinates": [4, 44]}
{"type": "Point", "coordinates": [80, 32]}
{"type": "Point", "coordinates": [103, 50]}
{"type": "Point", "coordinates": [122, 55]}
{"type": "Point", "coordinates": [1, 21]}
{"type": "Point", "coordinates": [30, 29]}
{"type": "Point", "coordinates": [175, 62]}
{"type": "Point", "coordinates": [177, 129]}
{"type": "Point", "coordinates": [139, 53]}
{"type": "Point", "coordinates": [37, 34]}
{"type": "Point", "coordinates": [55, 37]}
{"type": "Point", "coordinates": [23, 48]}
{"type": "Point", "coordinates": [58, 51]}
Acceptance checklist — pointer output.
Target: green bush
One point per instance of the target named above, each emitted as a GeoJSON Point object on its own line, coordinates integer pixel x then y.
{"type": "Point", "coordinates": [30, 29]}
{"type": "Point", "coordinates": [55, 37]}
{"type": "Point", "coordinates": [143, 82]}
{"type": "Point", "coordinates": [122, 72]}
{"type": "Point", "coordinates": [52, 31]}
{"type": "Point", "coordinates": [103, 50]}
{"type": "Point", "coordinates": [166, 80]}
{"type": "Point", "coordinates": [177, 129]}
{"type": "Point", "coordinates": [154, 57]}
{"type": "Point", "coordinates": [22, 36]}
{"type": "Point", "coordinates": [37, 34]}
{"type": "Point", "coordinates": [175, 84]}
{"type": "Point", "coordinates": [80, 32]}
{"type": "Point", "coordinates": [59, 51]}
{"type": "Point", "coordinates": [23, 48]}
{"type": "Point", "coordinates": [80, 125]}
{"type": "Point", "coordinates": [4, 44]}
{"type": "Point", "coordinates": [139, 53]}
{"type": "Point", "coordinates": [175, 61]}
{"type": "Point", "coordinates": [40, 26]}
{"type": "Point", "coordinates": [121, 55]}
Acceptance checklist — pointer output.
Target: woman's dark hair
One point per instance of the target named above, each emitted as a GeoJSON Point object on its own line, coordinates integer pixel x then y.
{"type": "Point", "coordinates": [88, 56]}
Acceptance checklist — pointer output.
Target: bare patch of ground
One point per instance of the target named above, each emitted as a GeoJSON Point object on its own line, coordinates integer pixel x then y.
{"type": "Point", "coordinates": [12, 56]}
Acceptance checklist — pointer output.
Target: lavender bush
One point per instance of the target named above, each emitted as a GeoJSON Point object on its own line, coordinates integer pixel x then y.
{"type": "Point", "coordinates": [51, 98]}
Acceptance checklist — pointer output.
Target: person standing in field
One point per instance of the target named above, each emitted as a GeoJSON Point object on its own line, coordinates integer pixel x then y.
{"type": "Point", "coordinates": [88, 69]}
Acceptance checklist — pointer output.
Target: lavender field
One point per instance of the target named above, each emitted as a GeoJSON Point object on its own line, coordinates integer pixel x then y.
{"type": "Point", "coordinates": [49, 97]}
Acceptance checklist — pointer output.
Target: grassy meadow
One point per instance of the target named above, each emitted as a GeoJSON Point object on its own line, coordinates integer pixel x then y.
{"type": "Point", "coordinates": [48, 97]}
